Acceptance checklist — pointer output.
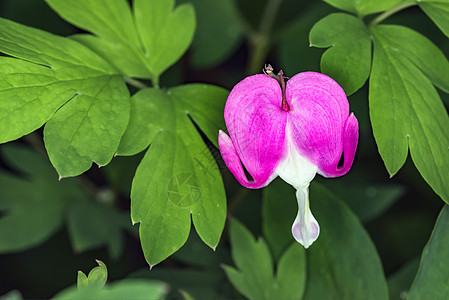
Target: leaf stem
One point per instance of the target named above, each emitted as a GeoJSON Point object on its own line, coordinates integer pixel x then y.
{"type": "Point", "coordinates": [390, 12]}
{"type": "Point", "coordinates": [260, 40]}
{"type": "Point", "coordinates": [135, 83]}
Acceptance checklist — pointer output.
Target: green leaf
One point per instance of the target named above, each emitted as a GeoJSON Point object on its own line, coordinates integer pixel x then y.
{"type": "Point", "coordinates": [278, 219]}
{"type": "Point", "coordinates": [337, 267]}
{"type": "Point", "coordinates": [337, 262]}
{"type": "Point", "coordinates": [93, 287]}
{"type": "Point", "coordinates": [30, 213]}
{"type": "Point", "coordinates": [363, 7]}
{"type": "Point", "coordinates": [438, 12]}
{"type": "Point", "coordinates": [399, 282]}
{"type": "Point", "coordinates": [178, 178]}
{"type": "Point", "coordinates": [348, 60]}
{"type": "Point", "coordinates": [254, 277]}
{"type": "Point", "coordinates": [406, 110]}
{"type": "Point", "coordinates": [367, 200]}
{"type": "Point", "coordinates": [290, 280]}
{"type": "Point", "coordinates": [62, 82]}
{"type": "Point", "coordinates": [213, 42]}
{"type": "Point", "coordinates": [96, 279]}
{"type": "Point", "coordinates": [165, 33]}
{"type": "Point", "coordinates": [431, 281]}
{"type": "Point", "coordinates": [139, 44]}
{"type": "Point", "coordinates": [92, 225]}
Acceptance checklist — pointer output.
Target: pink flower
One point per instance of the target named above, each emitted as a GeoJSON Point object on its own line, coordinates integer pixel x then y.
{"type": "Point", "coordinates": [293, 132]}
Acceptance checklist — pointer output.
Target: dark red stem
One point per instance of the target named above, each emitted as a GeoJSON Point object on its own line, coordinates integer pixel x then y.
{"type": "Point", "coordinates": [285, 106]}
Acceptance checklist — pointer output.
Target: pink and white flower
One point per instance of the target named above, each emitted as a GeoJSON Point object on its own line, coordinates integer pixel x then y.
{"type": "Point", "coordinates": [293, 132]}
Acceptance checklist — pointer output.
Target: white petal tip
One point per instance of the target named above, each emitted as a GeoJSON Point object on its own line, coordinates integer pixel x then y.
{"type": "Point", "coordinates": [305, 229]}
{"type": "Point", "coordinates": [306, 234]}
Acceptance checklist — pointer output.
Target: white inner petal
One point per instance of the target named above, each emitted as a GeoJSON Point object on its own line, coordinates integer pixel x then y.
{"type": "Point", "coordinates": [299, 172]}
{"type": "Point", "coordinates": [295, 169]}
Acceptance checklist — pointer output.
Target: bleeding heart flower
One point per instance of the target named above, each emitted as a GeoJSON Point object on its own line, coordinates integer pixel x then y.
{"type": "Point", "coordinates": [293, 132]}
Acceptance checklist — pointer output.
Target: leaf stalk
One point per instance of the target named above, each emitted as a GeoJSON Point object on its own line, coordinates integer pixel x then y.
{"type": "Point", "coordinates": [391, 12]}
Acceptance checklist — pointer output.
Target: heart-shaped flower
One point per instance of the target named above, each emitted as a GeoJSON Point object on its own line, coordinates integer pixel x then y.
{"type": "Point", "coordinates": [293, 132]}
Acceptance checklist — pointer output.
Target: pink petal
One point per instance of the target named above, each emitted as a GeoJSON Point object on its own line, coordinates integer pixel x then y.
{"type": "Point", "coordinates": [256, 125]}
{"type": "Point", "coordinates": [320, 123]}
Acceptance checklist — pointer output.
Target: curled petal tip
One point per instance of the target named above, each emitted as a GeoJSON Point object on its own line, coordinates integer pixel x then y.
{"type": "Point", "coordinates": [234, 163]}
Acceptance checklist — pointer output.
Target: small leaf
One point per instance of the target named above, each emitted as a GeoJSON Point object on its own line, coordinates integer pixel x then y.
{"type": "Point", "coordinates": [254, 277]}
{"type": "Point", "coordinates": [431, 281]}
{"type": "Point", "coordinates": [98, 276]}
{"type": "Point", "coordinates": [406, 110]}
{"type": "Point", "coordinates": [27, 205]}
{"type": "Point", "coordinates": [348, 60]}
{"type": "Point", "coordinates": [438, 12]}
{"type": "Point", "coordinates": [58, 80]}
{"type": "Point", "coordinates": [363, 7]}
{"type": "Point", "coordinates": [178, 178]}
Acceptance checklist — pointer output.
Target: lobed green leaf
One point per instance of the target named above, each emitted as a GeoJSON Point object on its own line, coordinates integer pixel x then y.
{"type": "Point", "coordinates": [348, 60]}
{"type": "Point", "coordinates": [254, 277]}
{"type": "Point", "coordinates": [29, 209]}
{"type": "Point", "coordinates": [96, 279]}
{"type": "Point", "coordinates": [166, 33]}
{"type": "Point", "coordinates": [140, 43]}
{"type": "Point", "coordinates": [406, 110]}
{"type": "Point", "coordinates": [178, 178]}
{"type": "Point", "coordinates": [437, 10]}
{"type": "Point", "coordinates": [60, 81]}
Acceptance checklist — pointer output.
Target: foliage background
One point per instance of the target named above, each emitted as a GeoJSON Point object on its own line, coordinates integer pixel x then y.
{"type": "Point", "coordinates": [399, 212]}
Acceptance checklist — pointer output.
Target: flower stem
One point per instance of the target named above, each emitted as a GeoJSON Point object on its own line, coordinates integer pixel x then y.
{"type": "Point", "coordinates": [285, 106]}
{"type": "Point", "coordinates": [390, 12]}
{"type": "Point", "coordinates": [135, 83]}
